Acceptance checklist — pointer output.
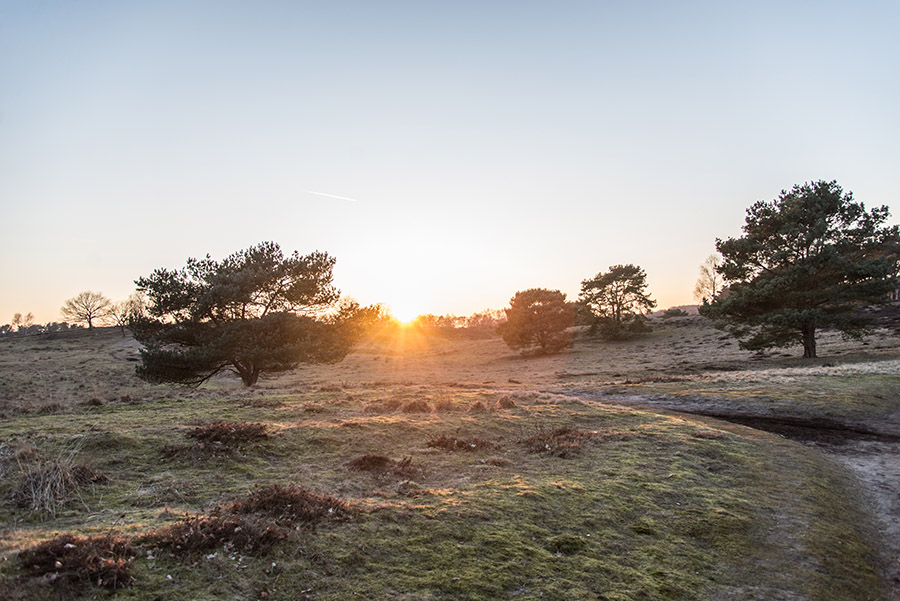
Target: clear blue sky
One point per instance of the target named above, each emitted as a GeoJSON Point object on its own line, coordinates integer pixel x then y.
{"type": "Point", "coordinates": [488, 146]}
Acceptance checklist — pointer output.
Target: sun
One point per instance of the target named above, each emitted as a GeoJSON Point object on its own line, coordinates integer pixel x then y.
{"type": "Point", "coordinates": [404, 313]}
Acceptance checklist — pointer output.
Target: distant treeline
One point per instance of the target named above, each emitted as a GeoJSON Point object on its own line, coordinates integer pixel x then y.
{"type": "Point", "coordinates": [478, 325]}
{"type": "Point", "coordinates": [9, 330]}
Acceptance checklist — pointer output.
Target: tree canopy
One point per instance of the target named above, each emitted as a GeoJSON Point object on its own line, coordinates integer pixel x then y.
{"type": "Point", "coordinates": [617, 300]}
{"type": "Point", "coordinates": [806, 260]}
{"type": "Point", "coordinates": [538, 318]}
{"type": "Point", "coordinates": [256, 311]}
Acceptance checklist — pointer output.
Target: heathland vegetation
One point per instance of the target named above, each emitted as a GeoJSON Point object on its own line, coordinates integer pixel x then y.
{"type": "Point", "coordinates": [258, 437]}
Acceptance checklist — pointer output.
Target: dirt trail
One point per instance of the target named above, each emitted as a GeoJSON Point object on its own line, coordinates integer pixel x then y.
{"type": "Point", "coordinates": [871, 454]}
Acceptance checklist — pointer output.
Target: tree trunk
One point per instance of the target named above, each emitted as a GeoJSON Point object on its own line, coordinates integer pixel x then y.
{"type": "Point", "coordinates": [249, 373]}
{"type": "Point", "coordinates": [809, 341]}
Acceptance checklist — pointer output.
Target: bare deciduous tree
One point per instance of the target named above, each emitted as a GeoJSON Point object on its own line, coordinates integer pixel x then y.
{"type": "Point", "coordinates": [125, 311]}
{"type": "Point", "coordinates": [86, 307]}
{"type": "Point", "coordinates": [709, 284]}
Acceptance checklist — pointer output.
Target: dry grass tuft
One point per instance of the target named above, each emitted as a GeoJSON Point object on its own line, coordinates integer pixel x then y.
{"type": "Point", "coordinates": [228, 433]}
{"type": "Point", "coordinates": [384, 406]}
{"type": "Point", "coordinates": [506, 402]}
{"type": "Point", "coordinates": [445, 406]}
{"type": "Point", "coordinates": [53, 483]}
{"type": "Point", "coordinates": [417, 406]}
{"type": "Point", "coordinates": [560, 442]}
{"type": "Point", "coordinates": [290, 504]}
{"type": "Point", "coordinates": [202, 532]}
{"type": "Point", "coordinates": [102, 561]}
{"type": "Point", "coordinates": [478, 407]}
{"type": "Point", "coordinates": [453, 443]}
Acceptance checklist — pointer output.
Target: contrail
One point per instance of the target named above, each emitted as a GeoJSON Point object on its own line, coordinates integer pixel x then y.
{"type": "Point", "coordinates": [332, 196]}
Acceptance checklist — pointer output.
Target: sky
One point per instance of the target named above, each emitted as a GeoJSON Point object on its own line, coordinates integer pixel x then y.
{"type": "Point", "coordinates": [448, 154]}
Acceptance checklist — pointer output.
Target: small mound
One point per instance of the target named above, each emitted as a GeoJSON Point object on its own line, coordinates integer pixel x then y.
{"type": "Point", "coordinates": [102, 561]}
{"type": "Point", "coordinates": [478, 407]}
{"type": "Point", "coordinates": [225, 432]}
{"type": "Point", "coordinates": [371, 463]}
{"type": "Point", "coordinates": [453, 443]}
{"type": "Point", "coordinates": [561, 442]}
{"type": "Point", "coordinates": [381, 464]}
{"type": "Point", "coordinates": [290, 504]}
{"type": "Point", "coordinates": [202, 532]}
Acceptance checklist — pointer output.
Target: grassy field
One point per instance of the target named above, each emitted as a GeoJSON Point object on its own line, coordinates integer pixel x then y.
{"type": "Point", "coordinates": [428, 468]}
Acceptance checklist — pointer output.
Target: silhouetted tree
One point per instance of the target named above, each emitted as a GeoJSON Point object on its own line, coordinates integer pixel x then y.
{"type": "Point", "coordinates": [87, 307]}
{"type": "Point", "coordinates": [127, 311]}
{"type": "Point", "coordinates": [538, 317]}
{"type": "Point", "coordinates": [617, 300]}
{"type": "Point", "coordinates": [709, 284]}
{"type": "Point", "coordinates": [254, 312]}
{"type": "Point", "coordinates": [806, 261]}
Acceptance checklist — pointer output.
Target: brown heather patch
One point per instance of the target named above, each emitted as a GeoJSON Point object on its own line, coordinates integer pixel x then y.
{"type": "Point", "coordinates": [102, 561]}
{"type": "Point", "coordinates": [202, 532]}
{"type": "Point", "coordinates": [290, 504]}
